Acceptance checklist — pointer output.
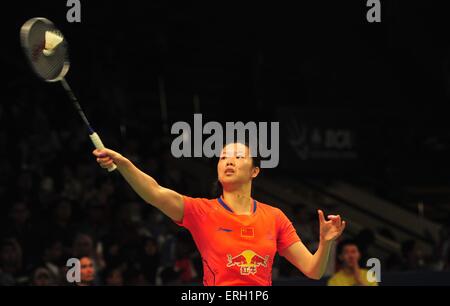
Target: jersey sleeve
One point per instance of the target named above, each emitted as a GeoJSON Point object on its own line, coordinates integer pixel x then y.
{"type": "Point", "coordinates": [195, 209]}
{"type": "Point", "coordinates": [286, 233]}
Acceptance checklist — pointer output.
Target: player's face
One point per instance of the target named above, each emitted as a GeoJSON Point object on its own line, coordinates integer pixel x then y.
{"type": "Point", "coordinates": [350, 255]}
{"type": "Point", "coordinates": [87, 271]}
{"type": "Point", "coordinates": [235, 165]}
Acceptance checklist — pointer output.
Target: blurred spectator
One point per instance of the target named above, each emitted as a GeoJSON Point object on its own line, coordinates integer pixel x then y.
{"type": "Point", "coordinates": [350, 273]}
{"type": "Point", "coordinates": [135, 277]}
{"type": "Point", "coordinates": [185, 253]}
{"type": "Point", "coordinates": [62, 224]}
{"type": "Point", "coordinates": [441, 259]}
{"type": "Point", "coordinates": [85, 246]}
{"type": "Point", "coordinates": [72, 187]}
{"type": "Point", "coordinates": [168, 275]}
{"type": "Point", "coordinates": [113, 252]}
{"type": "Point", "coordinates": [413, 258]}
{"type": "Point", "coordinates": [11, 264]}
{"type": "Point", "coordinates": [149, 259]}
{"type": "Point", "coordinates": [364, 240]}
{"type": "Point", "coordinates": [87, 272]}
{"type": "Point", "coordinates": [97, 219]}
{"type": "Point", "coordinates": [168, 244]}
{"type": "Point", "coordinates": [113, 277]}
{"type": "Point", "coordinates": [42, 277]}
{"type": "Point", "coordinates": [53, 258]}
{"type": "Point", "coordinates": [19, 216]}
{"type": "Point", "coordinates": [19, 225]}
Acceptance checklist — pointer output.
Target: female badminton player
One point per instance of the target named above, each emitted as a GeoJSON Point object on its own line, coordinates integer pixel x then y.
{"type": "Point", "coordinates": [236, 235]}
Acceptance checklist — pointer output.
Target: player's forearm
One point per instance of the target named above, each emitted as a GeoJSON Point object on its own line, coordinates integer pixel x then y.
{"type": "Point", "coordinates": [143, 184]}
{"type": "Point", "coordinates": [318, 262]}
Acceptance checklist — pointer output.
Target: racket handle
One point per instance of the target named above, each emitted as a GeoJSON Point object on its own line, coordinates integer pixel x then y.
{"type": "Point", "coordinates": [99, 145]}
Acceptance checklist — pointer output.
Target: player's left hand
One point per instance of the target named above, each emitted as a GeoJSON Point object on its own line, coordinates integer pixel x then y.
{"type": "Point", "coordinates": [330, 230]}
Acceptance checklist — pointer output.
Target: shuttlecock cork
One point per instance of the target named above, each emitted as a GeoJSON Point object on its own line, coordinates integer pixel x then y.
{"type": "Point", "coordinates": [52, 40]}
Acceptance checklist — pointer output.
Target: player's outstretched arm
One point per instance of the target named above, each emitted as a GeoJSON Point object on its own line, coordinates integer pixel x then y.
{"type": "Point", "coordinates": [166, 200]}
{"type": "Point", "coordinates": [314, 266]}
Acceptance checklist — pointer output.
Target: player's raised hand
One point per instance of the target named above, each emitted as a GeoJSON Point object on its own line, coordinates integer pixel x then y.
{"type": "Point", "coordinates": [330, 229]}
{"type": "Point", "coordinates": [106, 158]}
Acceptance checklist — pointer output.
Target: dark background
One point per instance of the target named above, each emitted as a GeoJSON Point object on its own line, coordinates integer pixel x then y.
{"type": "Point", "coordinates": [245, 61]}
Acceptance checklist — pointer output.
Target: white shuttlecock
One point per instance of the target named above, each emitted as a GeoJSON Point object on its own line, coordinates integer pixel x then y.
{"type": "Point", "coordinates": [52, 40]}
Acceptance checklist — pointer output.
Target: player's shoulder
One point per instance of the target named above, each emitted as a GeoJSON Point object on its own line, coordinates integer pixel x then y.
{"type": "Point", "coordinates": [198, 205]}
{"type": "Point", "coordinates": [268, 208]}
{"type": "Point", "coordinates": [200, 201]}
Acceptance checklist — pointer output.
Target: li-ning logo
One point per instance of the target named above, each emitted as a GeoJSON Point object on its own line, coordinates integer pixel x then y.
{"type": "Point", "coordinates": [248, 262]}
{"type": "Point", "coordinates": [222, 229]}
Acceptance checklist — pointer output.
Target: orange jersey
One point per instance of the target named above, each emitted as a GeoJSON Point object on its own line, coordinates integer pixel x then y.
{"type": "Point", "coordinates": [237, 250]}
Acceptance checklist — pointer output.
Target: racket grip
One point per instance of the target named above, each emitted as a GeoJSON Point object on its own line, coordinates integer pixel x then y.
{"type": "Point", "coordinates": [99, 145]}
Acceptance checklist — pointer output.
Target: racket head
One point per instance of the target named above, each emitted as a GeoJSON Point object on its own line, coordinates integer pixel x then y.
{"type": "Point", "coordinates": [50, 65]}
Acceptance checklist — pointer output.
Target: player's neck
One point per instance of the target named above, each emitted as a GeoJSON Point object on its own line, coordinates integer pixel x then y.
{"type": "Point", "coordinates": [239, 200]}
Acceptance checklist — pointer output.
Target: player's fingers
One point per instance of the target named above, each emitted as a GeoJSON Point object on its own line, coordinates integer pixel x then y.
{"type": "Point", "coordinates": [98, 152]}
{"type": "Point", "coordinates": [321, 216]}
{"type": "Point", "coordinates": [104, 152]}
{"type": "Point", "coordinates": [336, 219]}
{"type": "Point", "coordinates": [343, 226]}
{"type": "Point", "coordinates": [106, 164]}
{"type": "Point", "coordinates": [104, 159]}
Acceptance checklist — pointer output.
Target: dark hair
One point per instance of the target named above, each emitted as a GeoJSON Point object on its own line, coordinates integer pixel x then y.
{"type": "Point", "coordinates": [217, 189]}
{"type": "Point", "coordinates": [341, 245]}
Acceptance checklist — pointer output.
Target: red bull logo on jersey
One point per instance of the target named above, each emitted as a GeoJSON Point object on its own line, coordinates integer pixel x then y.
{"type": "Point", "coordinates": [248, 262]}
